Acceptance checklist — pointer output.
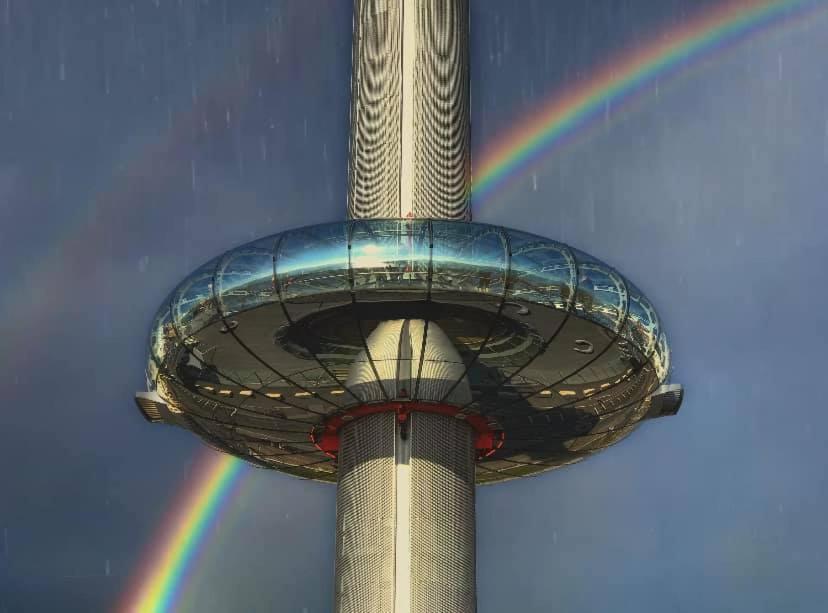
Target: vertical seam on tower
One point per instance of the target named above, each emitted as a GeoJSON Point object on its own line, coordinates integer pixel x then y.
{"type": "Point", "coordinates": [408, 62]}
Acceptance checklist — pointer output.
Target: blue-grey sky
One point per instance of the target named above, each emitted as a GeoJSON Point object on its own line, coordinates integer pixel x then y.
{"type": "Point", "coordinates": [139, 139]}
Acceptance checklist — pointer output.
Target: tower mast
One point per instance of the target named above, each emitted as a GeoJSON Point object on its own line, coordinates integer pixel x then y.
{"type": "Point", "coordinates": [405, 498]}
{"type": "Point", "coordinates": [409, 144]}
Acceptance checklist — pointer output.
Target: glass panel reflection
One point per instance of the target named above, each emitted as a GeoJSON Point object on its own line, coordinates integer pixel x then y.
{"type": "Point", "coordinates": [661, 358]}
{"type": "Point", "coordinates": [541, 271]}
{"type": "Point", "coordinates": [641, 327]}
{"type": "Point", "coordinates": [541, 290]}
{"type": "Point", "coordinates": [390, 259]}
{"type": "Point", "coordinates": [469, 258]}
{"type": "Point", "coordinates": [162, 341]}
{"type": "Point", "coordinates": [602, 293]}
{"type": "Point", "coordinates": [469, 265]}
{"type": "Point", "coordinates": [313, 261]}
{"type": "Point", "coordinates": [193, 306]}
{"type": "Point", "coordinates": [197, 365]}
{"type": "Point", "coordinates": [244, 278]}
{"type": "Point", "coordinates": [313, 277]}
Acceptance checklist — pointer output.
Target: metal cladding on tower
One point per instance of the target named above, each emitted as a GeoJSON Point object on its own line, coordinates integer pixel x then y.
{"type": "Point", "coordinates": [405, 498]}
{"type": "Point", "coordinates": [409, 146]}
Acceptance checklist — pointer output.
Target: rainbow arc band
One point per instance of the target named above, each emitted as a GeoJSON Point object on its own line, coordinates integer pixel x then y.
{"type": "Point", "coordinates": [626, 78]}
{"type": "Point", "coordinates": [490, 436]}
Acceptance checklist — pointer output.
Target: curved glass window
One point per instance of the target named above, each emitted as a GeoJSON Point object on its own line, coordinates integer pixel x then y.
{"type": "Point", "coordinates": [313, 277]}
{"type": "Point", "coordinates": [602, 293]}
{"type": "Point", "coordinates": [244, 278]}
{"type": "Point", "coordinates": [162, 340]}
{"type": "Point", "coordinates": [540, 292]}
{"type": "Point", "coordinates": [389, 259]}
{"type": "Point", "coordinates": [193, 306]}
{"type": "Point", "coordinates": [541, 271]}
{"type": "Point", "coordinates": [313, 261]}
{"type": "Point", "coordinates": [641, 327]}
{"type": "Point", "coordinates": [468, 258]}
{"type": "Point", "coordinates": [661, 358]}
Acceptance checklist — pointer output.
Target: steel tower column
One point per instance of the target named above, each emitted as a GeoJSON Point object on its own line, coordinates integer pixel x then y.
{"type": "Point", "coordinates": [409, 145]}
{"type": "Point", "coordinates": [405, 538]}
{"type": "Point", "coordinates": [405, 516]}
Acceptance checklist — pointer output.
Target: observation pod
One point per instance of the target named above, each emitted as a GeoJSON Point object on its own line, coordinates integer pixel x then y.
{"type": "Point", "coordinates": [267, 350]}
{"type": "Point", "coordinates": [408, 358]}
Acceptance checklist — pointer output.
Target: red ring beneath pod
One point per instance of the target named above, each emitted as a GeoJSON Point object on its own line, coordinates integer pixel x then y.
{"type": "Point", "coordinates": [326, 437]}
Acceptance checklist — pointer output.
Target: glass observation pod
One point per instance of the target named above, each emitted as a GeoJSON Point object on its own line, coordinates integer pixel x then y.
{"type": "Point", "coordinates": [253, 350]}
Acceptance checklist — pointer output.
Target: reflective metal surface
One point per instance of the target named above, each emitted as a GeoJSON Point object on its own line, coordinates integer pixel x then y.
{"type": "Point", "coordinates": [254, 348]}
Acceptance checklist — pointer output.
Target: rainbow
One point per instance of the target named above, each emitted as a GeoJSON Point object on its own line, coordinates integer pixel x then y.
{"type": "Point", "coordinates": [160, 583]}
{"type": "Point", "coordinates": [557, 121]}
{"type": "Point", "coordinates": [158, 587]}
